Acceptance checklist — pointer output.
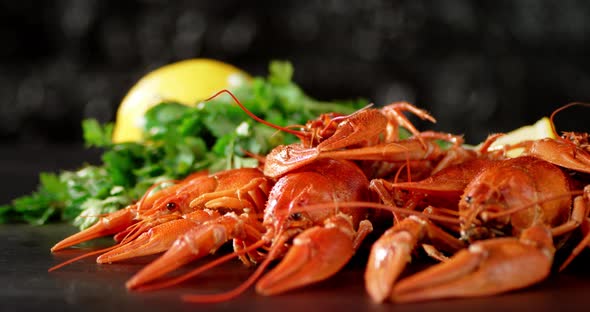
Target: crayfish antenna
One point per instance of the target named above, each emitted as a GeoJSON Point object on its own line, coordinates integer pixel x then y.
{"type": "Point", "coordinates": [86, 255]}
{"type": "Point", "coordinates": [228, 295]}
{"type": "Point", "coordinates": [298, 134]}
{"type": "Point", "coordinates": [559, 110]}
{"type": "Point", "coordinates": [372, 205]}
{"type": "Point", "coordinates": [494, 215]}
{"type": "Point", "coordinates": [485, 147]}
{"type": "Point", "coordinates": [577, 250]}
{"type": "Point", "coordinates": [127, 240]}
{"type": "Point", "coordinates": [580, 211]}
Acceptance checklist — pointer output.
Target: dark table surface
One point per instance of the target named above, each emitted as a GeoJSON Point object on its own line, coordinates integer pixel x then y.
{"type": "Point", "coordinates": [87, 286]}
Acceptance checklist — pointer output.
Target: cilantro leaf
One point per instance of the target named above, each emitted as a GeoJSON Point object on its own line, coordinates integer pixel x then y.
{"type": "Point", "coordinates": [177, 141]}
{"type": "Point", "coordinates": [96, 135]}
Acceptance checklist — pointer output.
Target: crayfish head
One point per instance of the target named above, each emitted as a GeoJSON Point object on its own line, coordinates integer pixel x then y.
{"type": "Point", "coordinates": [310, 196]}
{"type": "Point", "coordinates": [287, 199]}
{"type": "Point", "coordinates": [476, 208]}
{"type": "Point", "coordinates": [164, 207]}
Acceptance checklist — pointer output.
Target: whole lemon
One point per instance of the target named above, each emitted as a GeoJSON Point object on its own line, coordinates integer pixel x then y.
{"type": "Point", "coordinates": [185, 82]}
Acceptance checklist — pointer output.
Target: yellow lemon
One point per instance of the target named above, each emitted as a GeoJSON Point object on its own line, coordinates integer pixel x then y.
{"type": "Point", "coordinates": [539, 130]}
{"type": "Point", "coordinates": [185, 82]}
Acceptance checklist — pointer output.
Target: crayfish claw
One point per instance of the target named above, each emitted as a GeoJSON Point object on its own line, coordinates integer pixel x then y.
{"type": "Point", "coordinates": [316, 254]}
{"type": "Point", "coordinates": [194, 244]}
{"type": "Point", "coordinates": [485, 268]}
{"type": "Point", "coordinates": [107, 225]}
{"type": "Point", "coordinates": [389, 256]}
{"type": "Point", "coordinates": [155, 240]}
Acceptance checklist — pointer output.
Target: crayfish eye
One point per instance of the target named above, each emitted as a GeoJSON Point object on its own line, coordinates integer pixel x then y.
{"type": "Point", "coordinates": [468, 199]}
{"type": "Point", "coordinates": [170, 206]}
{"type": "Point", "coordinates": [295, 216]}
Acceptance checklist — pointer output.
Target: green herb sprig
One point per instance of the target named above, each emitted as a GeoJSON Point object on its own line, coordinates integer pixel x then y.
{"type": "Point", "coordinates": [177, 140]}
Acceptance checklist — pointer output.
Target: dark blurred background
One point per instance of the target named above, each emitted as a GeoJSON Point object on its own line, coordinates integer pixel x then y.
{"type": "Point", "coordinates": [479, 67]}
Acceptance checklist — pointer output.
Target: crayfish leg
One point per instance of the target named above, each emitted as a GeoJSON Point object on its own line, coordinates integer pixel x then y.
{"type": "Point", "coordinates": [579, 216]}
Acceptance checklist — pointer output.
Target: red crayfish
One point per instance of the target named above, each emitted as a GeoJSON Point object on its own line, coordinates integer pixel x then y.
{"type": "Point", "coordinates": [494, 222]}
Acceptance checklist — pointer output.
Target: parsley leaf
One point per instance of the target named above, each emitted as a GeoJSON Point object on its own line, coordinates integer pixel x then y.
{"type": "Point", "coordinates": [178, 140]}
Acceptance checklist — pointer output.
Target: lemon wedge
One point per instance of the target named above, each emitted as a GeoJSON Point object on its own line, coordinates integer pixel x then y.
{"type": "Point", "coordinates": [185, 82]}
{"type": "Point", "coordinates": [539, 130]}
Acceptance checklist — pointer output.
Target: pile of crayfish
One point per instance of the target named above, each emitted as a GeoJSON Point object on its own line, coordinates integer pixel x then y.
{"type": "Point", "coordinates": [493, 222]}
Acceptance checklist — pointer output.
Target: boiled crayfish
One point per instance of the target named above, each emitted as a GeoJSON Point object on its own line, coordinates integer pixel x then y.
{"type": "Point", "coordinates": [263, 213]}
{"type": "Point", "coordinates": [494, 222]}
{"type": "Point", "coordinates": [513, 215]}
